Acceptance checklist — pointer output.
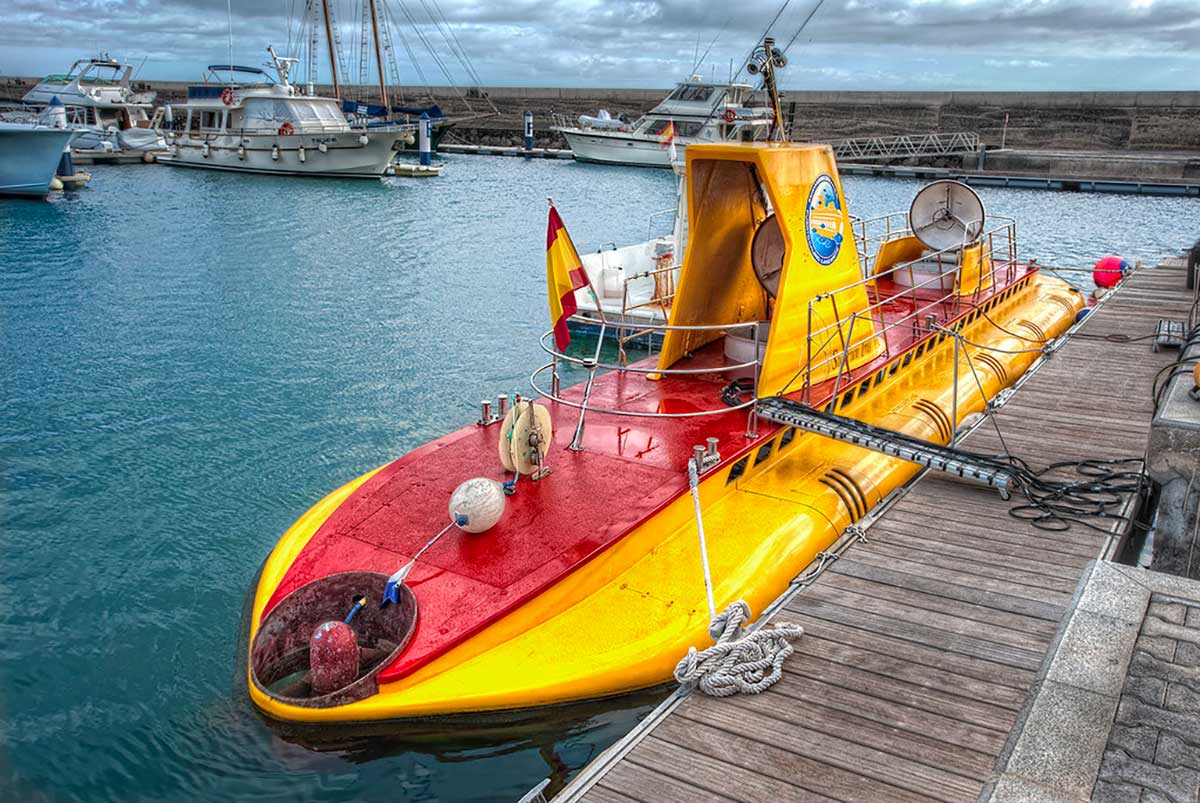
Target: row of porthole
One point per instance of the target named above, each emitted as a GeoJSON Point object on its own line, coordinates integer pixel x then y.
{"type": "Point", "coordinates": [738, 469]}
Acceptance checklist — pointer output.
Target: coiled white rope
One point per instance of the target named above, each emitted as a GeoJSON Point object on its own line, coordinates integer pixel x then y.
{"type": "Point", "coordinates": [737, 662]}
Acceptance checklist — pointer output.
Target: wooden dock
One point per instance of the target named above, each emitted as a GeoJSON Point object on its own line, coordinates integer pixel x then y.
{"type": "Point", "coordinates": [922, 643]}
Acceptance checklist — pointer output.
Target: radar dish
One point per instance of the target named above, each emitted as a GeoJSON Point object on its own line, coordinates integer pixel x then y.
{"type": "Point", "coordinates": [766, 254]}
{"type": "Point", "coordinates": [946, 214]}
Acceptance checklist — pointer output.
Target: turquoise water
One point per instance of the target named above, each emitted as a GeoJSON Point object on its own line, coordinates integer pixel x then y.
{"type": "Point", "coordinates": [190, 359]}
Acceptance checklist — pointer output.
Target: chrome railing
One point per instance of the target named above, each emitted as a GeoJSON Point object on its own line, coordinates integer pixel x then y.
{"type": "Point", "coordinates": [593, 364]}
{"type": "Point", "coordinates": [656, 216]}
{"type": "Point", "coordinates": [927, 295]}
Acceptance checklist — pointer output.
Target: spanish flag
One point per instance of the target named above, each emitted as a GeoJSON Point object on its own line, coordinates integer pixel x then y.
{"type": "Point", "coordinates": [667, 135]}
{"type": "Point", "coordinates": [564, 275]}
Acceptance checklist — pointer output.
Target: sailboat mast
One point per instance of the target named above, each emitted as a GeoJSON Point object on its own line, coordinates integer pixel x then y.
{"type": "Point", "coordinates": [337, 89]}
{"type": "Point", "coordinates": [379, 58]}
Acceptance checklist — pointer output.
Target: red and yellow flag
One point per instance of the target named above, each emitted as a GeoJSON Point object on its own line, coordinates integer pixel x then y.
{"type": "Point", "coordinates": [564, 275]}
{"type": "Point", "coordinates": [667, 135]}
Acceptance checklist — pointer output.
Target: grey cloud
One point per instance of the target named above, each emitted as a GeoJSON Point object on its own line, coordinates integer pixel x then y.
{"type": "Point", "coordinates": [653, 42]}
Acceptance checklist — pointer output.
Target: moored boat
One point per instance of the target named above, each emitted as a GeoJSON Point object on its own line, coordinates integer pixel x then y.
{"type": "Point", "coordinates": [588, 580]}
{"type": "Point", "coordinates": [266, 125]}
{"type": "Point", "coordinates": [108, 113]}
{"type": "Point", "coordinates": [695, 110]}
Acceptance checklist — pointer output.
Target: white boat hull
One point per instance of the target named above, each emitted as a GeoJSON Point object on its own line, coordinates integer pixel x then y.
{"type": "Point", "coordinates": [29, 158]}
{"type": "Point", "coordinates": [344, 156]}
{"type": "Point", "coordinates": [621, 148]}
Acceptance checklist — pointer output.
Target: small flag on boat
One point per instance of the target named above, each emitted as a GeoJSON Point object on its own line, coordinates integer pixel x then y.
{"type": "Point", "coordinates": [564, 275]}
{"type": "Point", "coordinates": [666, 137]}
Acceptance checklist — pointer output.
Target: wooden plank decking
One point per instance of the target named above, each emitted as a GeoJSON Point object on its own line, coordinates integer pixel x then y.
{"type": "Point", "coordinates": [921, 644]}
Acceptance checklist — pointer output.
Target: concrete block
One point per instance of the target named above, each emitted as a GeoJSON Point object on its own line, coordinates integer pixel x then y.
{"type": "Point", "coordinates": [1161, 583]}
{"type": "Point", "coordinates": [1154, 627]}
{"type": "Point", "coordinates": [1111, 592]}
{"type": "Point", "coordinates": [1107, 792]}
{"type": "Point", "coordinates": [1138, 741]}
{"type": "Point", "coordinates": [1175, 752]}
{"type": "Point", "coordinates": [1094, 653]}
{"type": "Point", "coordinates": [1187, 654]}
{"type": "Point", "coordinates": [1184, 700]}
{"type": "Point", "coordinates": [1011, 789]}
{"type": "Point", "coordinates": [1150, 691]}
{"type": "Point", "coordinates": [1131, 712]}
{"type": "Point", "coordinates": [1062, 741]}
{"type": "Point", "coordinates": [1161, 648]}
{"type": "Point", "coordinates": [1167, 610]}
{"type": "Point", "coordinates": [1178, 784]}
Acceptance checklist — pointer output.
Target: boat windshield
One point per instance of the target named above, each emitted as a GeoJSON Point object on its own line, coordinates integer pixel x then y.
{"type": "Point", "coordinates": [320, 114]}
{"type": "Point", "coordinates": [90, 72]}
{"type": "Point", "coordinates": [683, 128]}
{"type": "Point", "coordinates": [692, 93]}
{"type": "Point", "coordinates": [229, 74]}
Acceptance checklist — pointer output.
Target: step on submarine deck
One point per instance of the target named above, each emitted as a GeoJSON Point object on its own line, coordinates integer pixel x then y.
{"type": "Point", "coordinates": [920, 644]}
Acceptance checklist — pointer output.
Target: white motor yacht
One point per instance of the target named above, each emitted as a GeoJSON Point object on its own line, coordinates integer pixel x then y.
{"type": "Point", "coordinates": [700, 112]}
{"type": "Point", "coordinates": [108, 114]}
{"type": "Point", "coordinates": [268, 126]}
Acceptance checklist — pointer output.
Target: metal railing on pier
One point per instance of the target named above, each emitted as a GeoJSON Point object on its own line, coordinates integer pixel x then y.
{"type": "Point", "coordinates": [865, 149]}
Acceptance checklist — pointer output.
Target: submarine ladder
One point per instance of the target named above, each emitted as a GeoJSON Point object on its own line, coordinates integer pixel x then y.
{"type": "Point", "coordinates": [885, 441]}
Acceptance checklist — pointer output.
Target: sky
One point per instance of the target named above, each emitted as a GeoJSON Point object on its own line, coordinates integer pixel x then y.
{"type": "Point", "coordinates": [1093, 45]}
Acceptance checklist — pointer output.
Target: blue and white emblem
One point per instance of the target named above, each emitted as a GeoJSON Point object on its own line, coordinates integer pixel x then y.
{"type": "Point", "coordinates": [823, 220]}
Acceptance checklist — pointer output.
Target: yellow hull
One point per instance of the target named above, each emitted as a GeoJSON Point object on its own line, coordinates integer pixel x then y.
{"type": "Point", "coordinates": [623, 620]}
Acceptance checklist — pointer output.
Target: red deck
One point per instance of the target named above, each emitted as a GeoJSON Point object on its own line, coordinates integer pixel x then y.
{"type": "Point", "coordinates": [630, 468]}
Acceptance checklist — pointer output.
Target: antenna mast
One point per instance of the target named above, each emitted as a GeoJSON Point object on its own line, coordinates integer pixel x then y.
{"type": "Point", "coordinates": [766, 59]}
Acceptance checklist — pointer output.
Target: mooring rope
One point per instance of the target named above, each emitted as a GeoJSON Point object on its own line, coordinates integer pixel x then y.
{"type": "Point", "coordinates": [738, 662]}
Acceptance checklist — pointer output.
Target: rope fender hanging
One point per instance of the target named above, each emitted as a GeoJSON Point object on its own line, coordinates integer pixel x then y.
{"type": "Point", "coordinates": [748, 664]}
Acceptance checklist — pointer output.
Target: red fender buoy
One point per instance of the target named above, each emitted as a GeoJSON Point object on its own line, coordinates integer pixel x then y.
{"type": "Point", "coordinates": [333, 657]}
{"type": "Point", "coordinates": [1108, 271]}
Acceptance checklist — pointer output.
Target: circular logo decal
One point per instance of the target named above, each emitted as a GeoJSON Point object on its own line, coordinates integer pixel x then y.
{"type": "Point", "coordinates": [823, 221]}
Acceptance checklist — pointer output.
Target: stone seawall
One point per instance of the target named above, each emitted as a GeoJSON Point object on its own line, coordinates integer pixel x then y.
{"type": "Point", "coordinates": [1109, 121]}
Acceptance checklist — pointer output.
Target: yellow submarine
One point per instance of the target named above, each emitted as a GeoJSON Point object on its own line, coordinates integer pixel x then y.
{"type": "Point", "coordinates": [590, 580]}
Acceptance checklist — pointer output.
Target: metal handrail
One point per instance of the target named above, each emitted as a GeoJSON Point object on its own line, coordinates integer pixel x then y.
{"type": "Point", "coordinates": [921, 306]}
{"type": "Point", "coordinates": [653, 215]}
{"type": "Point", "coordinates": [594, 364]}
{"type": "Point", "coordinates": [649, 328]}
{"type": "Point", "coordinates": [631, 413]}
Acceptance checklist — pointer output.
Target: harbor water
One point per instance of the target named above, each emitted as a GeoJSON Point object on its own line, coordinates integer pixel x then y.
{"type": "Point", "coordinates": [190, 359]}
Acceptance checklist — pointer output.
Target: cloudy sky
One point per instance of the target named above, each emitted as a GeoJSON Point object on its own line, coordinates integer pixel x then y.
{"type": "Point", "coordinates": [849, 44]}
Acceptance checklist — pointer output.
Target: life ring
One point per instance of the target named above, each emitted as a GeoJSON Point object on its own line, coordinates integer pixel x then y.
{"type": "Point", "coordinates": [286, 130]}
{"type": "Point", "coordinates": [729, 116]}
{"type": "Point", "coordinates": [227, 96]}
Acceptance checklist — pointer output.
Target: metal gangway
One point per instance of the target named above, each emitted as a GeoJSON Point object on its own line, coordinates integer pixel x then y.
{"type": "Point", "coordinates": [865, 149]}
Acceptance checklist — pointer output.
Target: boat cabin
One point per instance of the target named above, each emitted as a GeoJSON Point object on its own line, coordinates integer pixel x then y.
{"type": "Point", "coordinates": [258, 107]}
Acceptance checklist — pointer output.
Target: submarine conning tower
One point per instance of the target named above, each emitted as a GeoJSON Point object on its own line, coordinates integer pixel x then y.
{"type": "Point", "coordinates": [771, 239]}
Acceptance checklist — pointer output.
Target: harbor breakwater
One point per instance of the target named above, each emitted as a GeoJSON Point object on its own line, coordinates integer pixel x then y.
{"type": "Point", "coordinates": [1111, 134]}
